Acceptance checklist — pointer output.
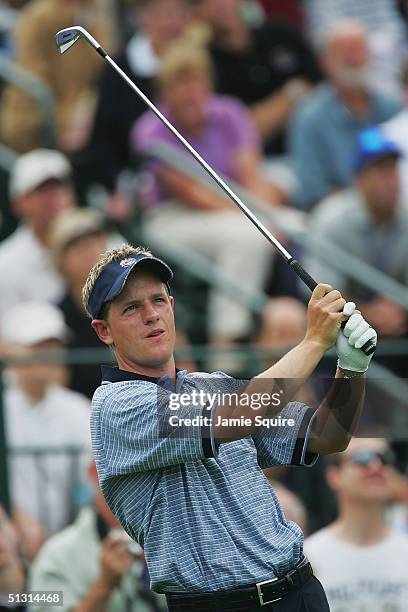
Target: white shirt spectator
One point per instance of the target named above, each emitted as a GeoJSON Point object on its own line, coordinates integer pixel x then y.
{"type": "Point", "coordinates": [26, 271]}
{"type": "Point", "coordinates": [361, 578]}
{"type": "Point", "coordinates": [44, 486]}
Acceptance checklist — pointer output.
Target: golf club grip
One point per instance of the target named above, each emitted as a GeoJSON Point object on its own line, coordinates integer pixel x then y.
{"type": "Point", "coordinates": [302, 274]}
{"type": "Point", "coordinates": [369, 347]}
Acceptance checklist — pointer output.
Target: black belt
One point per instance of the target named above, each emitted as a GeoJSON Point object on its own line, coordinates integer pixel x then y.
{"type": "Point", "coordinates": [261, 593]}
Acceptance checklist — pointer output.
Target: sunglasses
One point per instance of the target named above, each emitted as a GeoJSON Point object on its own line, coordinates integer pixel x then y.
{"type": "Point", "coordinates": [364, 458]}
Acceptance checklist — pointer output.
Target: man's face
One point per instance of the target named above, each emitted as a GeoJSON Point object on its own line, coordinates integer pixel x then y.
{"type": "Point", "coordinates": [164, 21]}
{"type": "Point", "coordinates": [140, 324]}
{"type": "Point", "coordinates": [357, 480]}
{"type": "Point", "coordinates": [347, 60]}
{"type": "Point", "coordinates": [43, 205]}
{"type": "Point", "coordinates": [380, 186]}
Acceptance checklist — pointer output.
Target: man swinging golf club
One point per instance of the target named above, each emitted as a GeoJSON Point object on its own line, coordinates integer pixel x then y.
{"type": "Point", "coordinates": [191, 491]}
{"type": "Point", "coordinates": [179, 454]}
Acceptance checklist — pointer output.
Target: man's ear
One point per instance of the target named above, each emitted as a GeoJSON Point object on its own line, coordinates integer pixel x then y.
{"type": "Point", "coordinates": [171, 300]}
{"type": "Point", "coordinates": [102, 330]}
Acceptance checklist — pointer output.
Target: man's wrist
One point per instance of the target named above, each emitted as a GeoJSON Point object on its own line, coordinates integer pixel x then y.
{"type": "Point", "coordinates": [350, 373]}
{"type": "Point", "coordinates": [314, 346]}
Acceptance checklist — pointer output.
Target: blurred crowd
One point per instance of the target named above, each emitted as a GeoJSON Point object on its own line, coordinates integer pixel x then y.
{"type": "Point", "coordinates": [302, 106]}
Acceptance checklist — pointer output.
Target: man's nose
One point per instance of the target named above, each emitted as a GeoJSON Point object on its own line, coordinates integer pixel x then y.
{"type": "Point", "coordinates": [150, 313]}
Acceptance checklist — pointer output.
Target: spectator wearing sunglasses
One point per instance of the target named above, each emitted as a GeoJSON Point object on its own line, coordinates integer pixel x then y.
{"type": "Point", "coordinates": [361, 563]}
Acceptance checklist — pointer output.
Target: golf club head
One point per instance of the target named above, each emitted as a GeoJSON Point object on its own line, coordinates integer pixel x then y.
{"type": "Point", "coordinates": [67, 37]}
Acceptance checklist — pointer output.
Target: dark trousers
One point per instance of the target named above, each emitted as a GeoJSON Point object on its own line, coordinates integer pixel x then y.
{"type": "Point", "coordinates": [309, 598]}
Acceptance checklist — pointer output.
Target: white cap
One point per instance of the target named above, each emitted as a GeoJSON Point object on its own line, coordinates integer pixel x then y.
{"type": "Point", "coordinates": [34, 168]}
{"type": "Point", "coordinates": [32, 322]}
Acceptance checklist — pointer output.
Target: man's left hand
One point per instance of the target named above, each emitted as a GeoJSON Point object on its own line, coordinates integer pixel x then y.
{"type": "Point", "coordinates": [349, 342]}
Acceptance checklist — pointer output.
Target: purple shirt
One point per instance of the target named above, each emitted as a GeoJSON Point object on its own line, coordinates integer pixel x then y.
{"type": "Point", "coordinates": [229, 128]}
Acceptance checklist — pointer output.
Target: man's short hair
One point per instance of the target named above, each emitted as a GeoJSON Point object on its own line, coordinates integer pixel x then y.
{"type": "Point", "coordinates": [123, 252]}
{"type": "Point", "coordinates": [339, 29]}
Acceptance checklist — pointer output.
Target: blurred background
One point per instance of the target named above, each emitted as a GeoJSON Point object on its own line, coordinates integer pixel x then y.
{"type": "Point", "coordinates": [302, 106]}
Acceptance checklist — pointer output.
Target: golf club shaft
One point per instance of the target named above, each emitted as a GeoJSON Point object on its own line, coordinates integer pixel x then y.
{"type": "Point", "coordinates": [306, 278]}
{"type": "Point", "coordinates": [369, 347]}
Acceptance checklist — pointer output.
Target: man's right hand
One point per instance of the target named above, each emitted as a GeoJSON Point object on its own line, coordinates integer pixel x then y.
{"type": "Point", "coordinates": [116, 560]}
{"type": "Point", "coordinates": [324, 316]}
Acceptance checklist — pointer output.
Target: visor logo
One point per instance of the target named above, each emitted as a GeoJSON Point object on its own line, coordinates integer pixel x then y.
{"type": "Point", "coordinates": [125, 263]}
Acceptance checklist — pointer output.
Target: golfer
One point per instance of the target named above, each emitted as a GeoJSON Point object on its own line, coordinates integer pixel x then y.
{"type": "Point", "coordinates": [179, 455]}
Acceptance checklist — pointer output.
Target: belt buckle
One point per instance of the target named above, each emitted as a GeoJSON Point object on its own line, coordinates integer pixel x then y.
{"type": "Point", "coordinates": [260, 594]}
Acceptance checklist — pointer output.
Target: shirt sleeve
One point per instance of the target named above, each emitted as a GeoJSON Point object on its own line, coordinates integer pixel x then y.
{"type": "Point", "coordinates": [287, 444]}
{"type": "Point", "coordinates": [144, 428]}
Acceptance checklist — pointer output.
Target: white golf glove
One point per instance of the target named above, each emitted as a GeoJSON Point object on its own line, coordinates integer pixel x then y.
{"type": "Point", "coordinates": [349, 342]}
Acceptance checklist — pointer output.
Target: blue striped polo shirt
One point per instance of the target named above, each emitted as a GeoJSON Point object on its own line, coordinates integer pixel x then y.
{"type": "Point", "coordinates": [206, 515]}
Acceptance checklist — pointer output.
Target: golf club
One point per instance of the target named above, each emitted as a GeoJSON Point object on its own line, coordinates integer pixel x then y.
{"type": "Point", "coordinates": [67, 37]}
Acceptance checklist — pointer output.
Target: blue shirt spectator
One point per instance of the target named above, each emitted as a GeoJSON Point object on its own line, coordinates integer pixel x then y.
{"type": "Point", "coordinates": [323, 133]}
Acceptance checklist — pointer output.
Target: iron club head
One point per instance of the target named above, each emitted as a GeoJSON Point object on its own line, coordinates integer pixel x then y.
{"type": "Point", "coordinates": [67, 37]}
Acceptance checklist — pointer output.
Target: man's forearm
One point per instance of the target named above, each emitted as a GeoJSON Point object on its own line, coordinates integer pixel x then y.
{"type": "Point", "coordinates": [338, 415]}
{"type": "Point", "coordinates": [283, 378]}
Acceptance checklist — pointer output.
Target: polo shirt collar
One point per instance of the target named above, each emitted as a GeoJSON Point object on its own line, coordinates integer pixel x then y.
{"type": "Point", "coordinates": [114, 374]}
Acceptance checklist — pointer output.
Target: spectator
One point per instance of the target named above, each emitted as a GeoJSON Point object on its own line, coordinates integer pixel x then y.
{"type": "Point", "coordinates": [269, 67]}
{"type": "Point", "coordinates": [370, 222]}
{"type": "Point", "coordinates": [397, 130]}
{"type": "Point", "coordinates": [77, 239]}
{"type": "Point", "coordinates": [12, 575]}
{"type": "Point", "coordinates": [324, 129]}
{"type": "Point", "coordinates": [40, 190]}
{"type": "Point", "coordinates": [95, 564]}
{"type": "Point", "coordinates": [190, 213]}
{"type": "Point", "coordinates": [71, 79]}
{"type": "Point", "coordinates": [360, 562]}
{"type": "Point", "coordinates": [161, 22]}
{"type": "Point", "coordinates": [386, 34]}
{"type": "Point", "coordinates": [47, 426]}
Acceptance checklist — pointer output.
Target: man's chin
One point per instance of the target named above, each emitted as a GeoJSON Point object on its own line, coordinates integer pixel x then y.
{"type": "Point", "coordinates": [157, 358]}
